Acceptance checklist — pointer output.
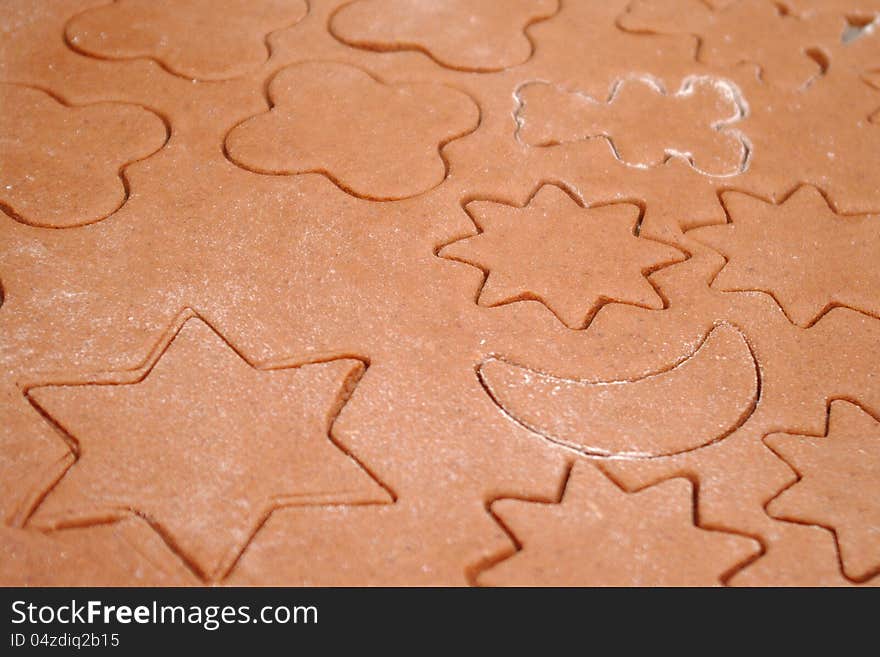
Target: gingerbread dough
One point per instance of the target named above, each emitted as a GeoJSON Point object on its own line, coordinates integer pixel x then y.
{"type": "Point", "coordinates": [389, 292]}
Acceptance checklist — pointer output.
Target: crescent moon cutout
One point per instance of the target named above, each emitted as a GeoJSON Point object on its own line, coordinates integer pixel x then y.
{"type": "Point", "coordinates": [699, 400]}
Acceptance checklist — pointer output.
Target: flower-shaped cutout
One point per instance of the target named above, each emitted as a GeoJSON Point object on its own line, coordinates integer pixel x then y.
{"type": "Point", "coordinates": [203, 445]}
{"type": "Point", "coordinates": [479, 35]}
{"type": "Point", "coordinates": [191, 38]}
{"type": "Point", "coordinates": [374, 140]}
{"type": "Point", "coordinates": [838, 485]}
{"type": "Point", "coordinates": [802, 253]}
{"type": "Point", "coordinates": [599, 535]}
{"type": "Point", "coordinates": [63, 165]}
{"type": "Point", "coordinates": [571, 258]}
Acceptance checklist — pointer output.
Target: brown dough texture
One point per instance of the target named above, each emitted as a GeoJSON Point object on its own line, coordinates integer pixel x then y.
{"type": "Point", "coordinates": [643, 123]}
{"type": "Point", "coordinates": [300, 135]}
{"type": "Point", "coordinates": [474, 35]}
{"type": "Point", "coordinates": [470, 293]}
{"type": "Point", "coordinates": [191, 38]}
{"type": "Point", "coordinates": [63, 166]}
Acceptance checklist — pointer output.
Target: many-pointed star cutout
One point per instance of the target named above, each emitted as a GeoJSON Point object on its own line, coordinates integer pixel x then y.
{"type": "Point", "coordinates": [800, 252]}
{"type": "Point", "coordinates": [203, 445]}
{"type": "Point", "coordinates": [838, 485]}
{"type": "Point", "coordinates": [597, 534]}
{"type": "Point", "coordinates": [571, 258]}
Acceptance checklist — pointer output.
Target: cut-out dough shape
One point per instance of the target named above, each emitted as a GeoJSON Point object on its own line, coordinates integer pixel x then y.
{"type": "Point", "coordinates": [775, 249]}
{"type": "Point", "coordinates": [123, 553]}
{"type": "Point", "coordinates": [477, 35]}
{"type": "Point", "coordinates": [698, 401]}
{"type": "Point", "coordinates": [822, 137]}
{"type": "Point", "coordinates": [838, 485]}
{"type": "Point", "coordinates": [643, 124]}
{"type": "Point", "coordinates": [859, 29]}
{"type": "Point", "coordinates": [374, 140]}
{"type": "Point", "coordinates": [570, 258]}
{"type": "Point", "coordinates": [62, 165]}
{"type": "Point", "coordinates": [798, 555]}
{"type": "Point", "coordinates": [191, 38]}
{"type": "Point", "coordinates": [599, 535]}
{"type": "Point", "coordinates": [183, 448]}
{"type": "Point", "coordinates": [757, 32]}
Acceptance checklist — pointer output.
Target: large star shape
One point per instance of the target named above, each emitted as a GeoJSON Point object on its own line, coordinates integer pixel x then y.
{"type": "Point", "coordinates": [571, 258]}
{"type": "Point", "coordinates": [802, 253]}
{"type": "Point", "coordinates": [204, 446]}
{"type": "Point", "coordinates": [838, 485]}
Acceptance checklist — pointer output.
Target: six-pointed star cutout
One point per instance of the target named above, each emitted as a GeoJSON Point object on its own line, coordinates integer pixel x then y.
{"type": "Point", "coordinates": [802, 253]}
{"type": "Point", "coordinates": [597, 534]}
{"type": "Point", "coordinates": [838, 485]}
{"type": "Point", "coordinates": [204, 446]}
{"type": "Point", "coordinates": [573, 259]}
